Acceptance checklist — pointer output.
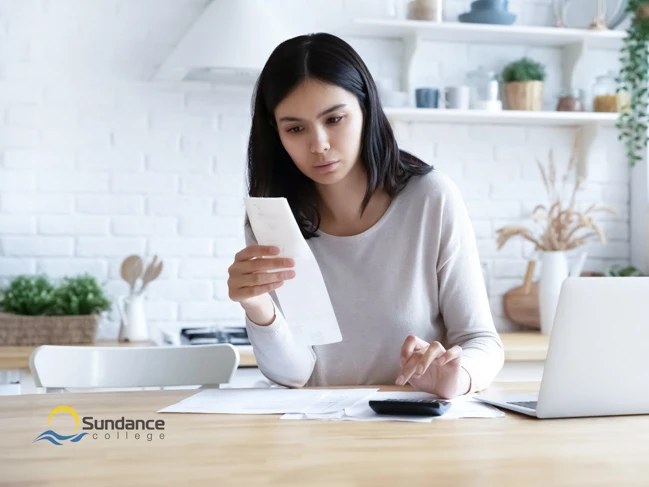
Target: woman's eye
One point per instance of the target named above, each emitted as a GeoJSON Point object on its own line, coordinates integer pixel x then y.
{"type": "Point", "coordinates": [295, 130]}
{"type": "Point", "coordinates": [334, 119]}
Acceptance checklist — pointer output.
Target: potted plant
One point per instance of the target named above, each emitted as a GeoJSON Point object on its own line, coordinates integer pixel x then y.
{"type": "Point", "coordinates": [523, 84]}
{"type": "Point", "coordinates": [633, 78]}
{"type": "Point", "coordinates": [623, 271]}
{"type": "Point", "coordinates": [33, 311]}
{"type": "Point", "coordinates": [556, 229]}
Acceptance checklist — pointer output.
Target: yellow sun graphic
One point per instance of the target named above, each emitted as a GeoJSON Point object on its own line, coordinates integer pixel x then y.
{"type": "Point", "coordinates": [64, 409]}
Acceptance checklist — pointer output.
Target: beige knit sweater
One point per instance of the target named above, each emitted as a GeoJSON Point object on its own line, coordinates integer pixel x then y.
{"type": "Point", "coordinates": [416, 271]}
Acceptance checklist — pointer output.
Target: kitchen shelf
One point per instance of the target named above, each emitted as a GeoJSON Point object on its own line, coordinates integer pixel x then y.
{"type": "Point", "coordinates": [517, 117]}
{"type": "Point", "coordinates": [573, 43]}
{"type": "Point", "coordinates": [589, 123]}
{"type": "Point", "coordinates": [493, 34]}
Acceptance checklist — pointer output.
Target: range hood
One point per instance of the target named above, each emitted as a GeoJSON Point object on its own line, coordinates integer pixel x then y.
{"type": "Point", "coordinates": [229, 43]}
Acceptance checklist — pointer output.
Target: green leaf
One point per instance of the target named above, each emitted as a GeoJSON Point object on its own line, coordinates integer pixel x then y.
{"type": "Point", "coordinates": [36, 295]}
{"type": "Point", "coordinates": [633, 76]}
{"type": "Point", "coordinates": [525, 69]}
{"type": "Point", "coordinates": [28, 295]}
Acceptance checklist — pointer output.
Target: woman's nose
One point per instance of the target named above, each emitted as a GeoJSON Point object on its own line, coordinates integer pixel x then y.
{"type": "Point", "coordinates": [320, 142]}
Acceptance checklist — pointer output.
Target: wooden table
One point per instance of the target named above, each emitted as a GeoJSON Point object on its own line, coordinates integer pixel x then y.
{"type": "Point", "coordinates": [525, 346]}
{"type": "Point", "coordinates": [251, 450]}
{"type": "Point", "coordinates": [525, 354]}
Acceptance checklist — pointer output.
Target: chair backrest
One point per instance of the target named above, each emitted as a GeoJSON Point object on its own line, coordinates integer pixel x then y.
{"type": "Point", "coordinates": [106, 367]}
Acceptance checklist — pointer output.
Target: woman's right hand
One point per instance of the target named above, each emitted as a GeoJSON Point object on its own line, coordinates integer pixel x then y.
{"type": "Point", "coordinates": [249, 278]}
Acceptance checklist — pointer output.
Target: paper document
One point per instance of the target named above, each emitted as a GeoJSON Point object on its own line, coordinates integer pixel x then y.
{"type": "Point", "coordinates": [269, 401]}
{"type": "Point", "coordinates": [461, 407]}
{"type": "Point", "coordinates": [304, 299]}
{"type": "Point", "coordinates": [338, 399]}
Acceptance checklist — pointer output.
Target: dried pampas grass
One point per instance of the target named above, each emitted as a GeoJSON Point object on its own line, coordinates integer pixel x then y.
{"type": "Point", "coordinates": [561, 228]}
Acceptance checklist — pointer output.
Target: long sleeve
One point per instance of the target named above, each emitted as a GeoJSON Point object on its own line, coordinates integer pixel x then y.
{"type": "Point", "coordinates": [279, 357]}
{"type": "Point", "coordinates": [462, 294]}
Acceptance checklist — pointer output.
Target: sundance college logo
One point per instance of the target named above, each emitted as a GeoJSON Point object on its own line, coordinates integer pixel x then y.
{"type": "Point", "coordinates": [102, 428]}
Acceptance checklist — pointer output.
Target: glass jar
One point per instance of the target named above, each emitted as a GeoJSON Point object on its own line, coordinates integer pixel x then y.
{"type": "Point", "coordinates": [396, 9]}
{"type": "Point", "coordinates": [484, 88]}
{"type": "Point", "coordinates": [570, 100]}
{"type": "Point", "coordinates": [606, 97]}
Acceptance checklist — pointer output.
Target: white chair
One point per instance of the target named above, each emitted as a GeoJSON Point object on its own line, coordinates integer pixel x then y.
{"type": "Point", "coordinates": [57, 368]}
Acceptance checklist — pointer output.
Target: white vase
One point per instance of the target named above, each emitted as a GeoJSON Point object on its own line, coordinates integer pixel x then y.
{"type": "Point", "coordinates": [554, 270]}
{"type": "Point", "coordinates": [134, 326]}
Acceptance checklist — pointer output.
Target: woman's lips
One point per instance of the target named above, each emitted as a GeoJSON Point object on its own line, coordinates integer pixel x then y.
{"type": "Point", "coordinates": [327, 167]}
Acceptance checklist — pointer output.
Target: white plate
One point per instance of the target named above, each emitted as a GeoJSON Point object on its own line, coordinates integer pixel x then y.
{"type": "Point", "coordinates": [579, 14]}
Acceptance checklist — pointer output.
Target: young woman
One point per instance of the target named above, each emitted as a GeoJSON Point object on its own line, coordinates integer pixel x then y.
{"type": "Point", "coordinates": [391, 236]}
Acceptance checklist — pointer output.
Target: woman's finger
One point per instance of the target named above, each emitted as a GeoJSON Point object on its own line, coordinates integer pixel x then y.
{"type": "Point", "coordinates": [409, 366]}
{"type": "Point", "coordinates": [250, 292]}
{"type": "Point", "coordinates": [260, 265]}
{"type": "Point", "coordinates": [411, 344]}
{"type": "Point", "coordinates": [433, 353]}
{"type": "Point", "coordinates": [261, 278]}
{"type": "Point", "coordinates": [416, 368]}
{"type": "Point", "coordinates": [256, 251]}
{"type": "Point", "coordinates": [450, 354]}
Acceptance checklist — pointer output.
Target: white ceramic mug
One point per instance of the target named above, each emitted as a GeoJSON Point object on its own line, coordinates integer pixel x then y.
{"type": "Point", "coordinates": [457, 97]}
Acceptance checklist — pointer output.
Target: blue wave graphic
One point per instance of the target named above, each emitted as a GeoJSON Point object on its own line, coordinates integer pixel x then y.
{"type": "Point", "coordinates": [48, 438]}
{"type": "Point", "coordinates": [53, 436]}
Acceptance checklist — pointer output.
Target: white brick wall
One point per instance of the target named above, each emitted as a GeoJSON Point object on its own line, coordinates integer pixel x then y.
{"type": "Point", "coordinates": [96, 162]}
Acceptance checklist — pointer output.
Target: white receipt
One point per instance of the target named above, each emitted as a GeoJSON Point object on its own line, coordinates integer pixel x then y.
{"type": "Point", "coordinates": [304, 299]}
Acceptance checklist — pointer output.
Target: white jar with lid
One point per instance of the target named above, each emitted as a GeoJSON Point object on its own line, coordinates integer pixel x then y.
{"type": "Point", "coordinates": [484, 90]}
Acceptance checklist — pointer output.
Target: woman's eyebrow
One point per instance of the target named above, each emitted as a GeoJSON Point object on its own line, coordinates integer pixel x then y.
{"type": "Point", "coordinates": [328, 110]}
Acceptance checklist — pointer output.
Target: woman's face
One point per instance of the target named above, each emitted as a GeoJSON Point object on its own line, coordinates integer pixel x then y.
{"type": "Point", "coordinates": [320, 126]}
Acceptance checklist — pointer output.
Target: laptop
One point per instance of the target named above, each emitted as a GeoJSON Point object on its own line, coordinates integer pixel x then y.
{"type": "Point", "coordinates": [598, 355]}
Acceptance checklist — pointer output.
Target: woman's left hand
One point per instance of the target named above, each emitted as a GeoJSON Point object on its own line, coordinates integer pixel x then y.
{"type": "Point", "coordinates": [429, 367]}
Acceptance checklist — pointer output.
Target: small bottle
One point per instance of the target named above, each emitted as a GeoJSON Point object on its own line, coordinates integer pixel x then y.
{"type": "Point", "coordinates": [606, 97]}
{"type": "Point", "coordinates": [570, 100]}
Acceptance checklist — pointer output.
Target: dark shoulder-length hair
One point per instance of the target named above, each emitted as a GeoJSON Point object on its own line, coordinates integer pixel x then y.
{"type": "Point", "coordinates": [271, 171]}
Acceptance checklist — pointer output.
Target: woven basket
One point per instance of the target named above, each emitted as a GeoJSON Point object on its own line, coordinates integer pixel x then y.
{"type": "Point", "coordinates": [524, 95]}
{"type": "Point", "coordinates": [19, 330]}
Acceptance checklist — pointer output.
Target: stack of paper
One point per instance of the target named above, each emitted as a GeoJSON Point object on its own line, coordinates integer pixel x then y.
{"type": "Point", "coordinates": [327, 404]}
{"type": "Point", "coordinates": [461, 407]}
{"type": "Point", "coordinates": [269, 401]}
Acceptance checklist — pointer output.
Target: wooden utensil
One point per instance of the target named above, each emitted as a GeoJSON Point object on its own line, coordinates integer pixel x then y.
{"type": "Point", "coordinates": [151, 273]}
{"type": "Point", "coordinates": [521, 304]}
{"type": "Point", "coordinates": [131, 270]}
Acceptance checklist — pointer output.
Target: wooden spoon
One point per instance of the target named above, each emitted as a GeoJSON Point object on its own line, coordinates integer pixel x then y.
{"type": "Point", "coordinates": [131, 270]}
{"type": "Point", "coordinates": [151, 273]}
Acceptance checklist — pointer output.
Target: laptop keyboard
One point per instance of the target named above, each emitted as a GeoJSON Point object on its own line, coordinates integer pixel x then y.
{"type": "Point", "coordinates": [525, 404]}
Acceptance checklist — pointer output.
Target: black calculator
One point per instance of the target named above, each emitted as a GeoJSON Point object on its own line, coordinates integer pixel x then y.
{"type": "Point", "coordinates": [411, 407]}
